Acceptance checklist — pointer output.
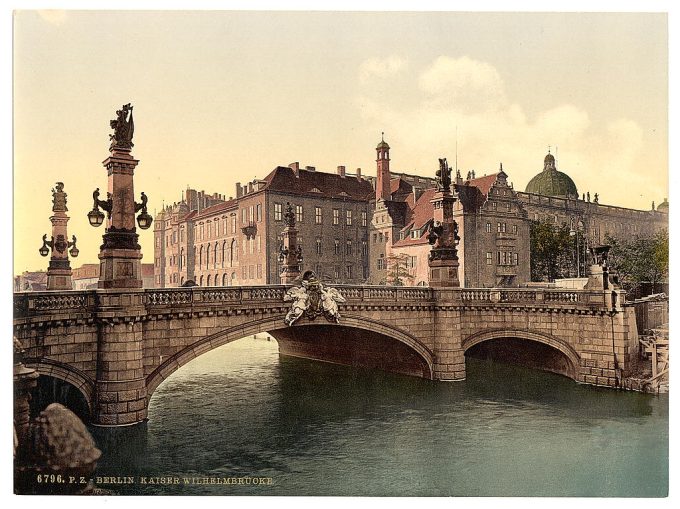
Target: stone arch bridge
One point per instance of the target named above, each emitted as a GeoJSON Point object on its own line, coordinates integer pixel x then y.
{"type": "Point", "coordinates": [117, 346]}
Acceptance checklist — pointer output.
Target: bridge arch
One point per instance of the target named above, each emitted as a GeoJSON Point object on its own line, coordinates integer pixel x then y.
{"type": "Point", "coordinates": [271, 324]}
{"type": "Point", "coordinates": [83, 383]}
{"type": "Point", "coordinates": [537, 337]}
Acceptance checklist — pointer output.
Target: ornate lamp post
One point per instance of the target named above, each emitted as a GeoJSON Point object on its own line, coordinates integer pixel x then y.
{"type": "Point", "coordinates": [443, 233]}
{"type": "Point", "coordinates": [59, 269]}
{"type": "Point", "coordinates": [290, 253]}
{"type": "Point", "coordinates": [120, 254]}
{"type": "Point", "coordinates": [576, 231]}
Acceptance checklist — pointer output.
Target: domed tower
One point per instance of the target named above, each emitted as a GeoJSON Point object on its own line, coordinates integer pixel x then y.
{"type": "Point", "coordinates": [663, 206]}
{"type": "Point", "coordinates": [382, 185]}
{"type": "Point", "coordinates": [551, 182]}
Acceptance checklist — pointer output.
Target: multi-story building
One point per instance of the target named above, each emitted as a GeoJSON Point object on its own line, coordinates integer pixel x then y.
{"type": "Point", "coordinates": [236, 241]}
{"type": "Point", "coordinates": [353, 228]}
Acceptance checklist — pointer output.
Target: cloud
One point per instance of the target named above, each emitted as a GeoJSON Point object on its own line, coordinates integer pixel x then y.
{"type": "Point", "coordinates": [53, 16]}
{"type": "Point", "coordinates": [469, 96]}
{"type": "Point", "coordinates": [463, 84]}
{"type": "Point", "coordinates": [381, 68]}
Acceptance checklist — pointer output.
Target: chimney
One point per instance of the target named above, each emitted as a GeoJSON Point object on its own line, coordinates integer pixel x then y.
{"type": "Point", "coordinates": [250, 187]}
{"type": "Point", "coordinates": [295, 167]}
{"type": "Point", "coordinates": [239, 191]}
{"type": "Point", "coordinates": [359, 173]}
{"type": "Point", "coordinates": [341, 171]}
{"type": "Point", "coordinates": [310, 168]}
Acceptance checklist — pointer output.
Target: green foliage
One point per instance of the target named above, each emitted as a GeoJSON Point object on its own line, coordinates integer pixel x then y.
{"type": "Point", "coordinates": [642, 258]}
{"type": "Point", "coordinates": [397, 271]}
{"type": "Point", "coordinates": [552, 251]}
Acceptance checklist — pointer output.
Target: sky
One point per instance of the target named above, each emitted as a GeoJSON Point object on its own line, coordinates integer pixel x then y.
{"type": "Point", "coordinates": [225, 97]}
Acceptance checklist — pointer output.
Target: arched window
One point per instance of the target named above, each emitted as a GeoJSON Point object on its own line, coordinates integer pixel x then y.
{"type": "Point", "coordinates": [215, 257]}
{"type": "Point", "coordinates": [200, 281]}
{"type": "Point", "coordinates": [233, 278]}
{"type": "Point", "coordinates": [225, 282]}
{"type": "Point", "coordinates": [224, 252]}
{"type": "Point", "coordinates": [208, 281]}
{"type": "Point", "coordinates": [181, 281]}
{"type": "Point", "coordinates": [207, 257]}
{"type": "Point", "coordinates": [200, 257]}
{"type": "Point", "coordinates": [234, 252]}
{"type": "Point", "coordinates": [181, 258]}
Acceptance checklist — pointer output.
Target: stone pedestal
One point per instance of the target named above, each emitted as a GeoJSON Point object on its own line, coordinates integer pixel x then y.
{"type": "Point", "coordinates": [120, 254]}
{"type": "Point", "coordinates": [290, 253]}
{"type": "Point", "coordinates": [443, 259]}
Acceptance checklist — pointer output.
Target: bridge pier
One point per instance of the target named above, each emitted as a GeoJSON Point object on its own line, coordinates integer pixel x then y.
{"type": "Point", "coordinates": [120, 385]}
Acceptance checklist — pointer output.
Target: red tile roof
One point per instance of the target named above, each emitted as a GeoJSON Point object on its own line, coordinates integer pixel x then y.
{"type": "Point", "coordinates": [485, 183]}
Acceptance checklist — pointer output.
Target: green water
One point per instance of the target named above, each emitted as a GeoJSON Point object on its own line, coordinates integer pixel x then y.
{"type": "Point", "coordinates": [321, 429]}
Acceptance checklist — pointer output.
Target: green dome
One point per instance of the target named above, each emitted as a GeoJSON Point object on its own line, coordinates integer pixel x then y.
{"type": "Point", "coordinates": [551, 182]}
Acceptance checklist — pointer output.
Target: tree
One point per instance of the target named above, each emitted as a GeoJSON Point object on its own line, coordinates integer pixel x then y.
{"type": "Point", "coordinates": [640, 259]}
{"type": "Point", "coordinates": [552, 251]}
{"type": "Point", "coordinates": [397, 270]}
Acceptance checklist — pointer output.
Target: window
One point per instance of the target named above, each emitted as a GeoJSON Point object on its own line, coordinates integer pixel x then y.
{"type": "Point", "coordinates": [488, 227]}
{"type": "Point", "coordinates": [364, 220]}
{"type": "Point", "coordinates": [337, 247]}
{"type": "Point", "coordinates": [364, 248]}
{"type": "Point", "coordinates": [515, 259]}
{"type": "Point", "coordinates": [298, 213]}
{"type": "Point", "coordinates": [233, 223]}
{"type": "Point", "coordinates": [348, 272]}
{"type": "Point", "coordinates": [348, 218]}
{"type": "Point", "coordinates": [259, 270]}
{"type": "Point", "coordinates": [375, 238]}
{"type": "Point", "coordinates": [501, 227]}
{"type": "Point", "coordinates": [381, 237]}
{"type": "Point", "coordinates": [336, 272]}
{"type": "Point", "coordinates": [317, 215]}
{"type": "Point", "coordinates": [252, 245]}
{"type": "Point", "coordinates": [278, 212]}
{"type": "Point", "coordinates": [493, 205]}
{"type": "Point", "coordinates": [243, 216]}
{"type": "Point", "coordinates": [380, 263]}
{"type": "Point", "coordinates": [348, 247]}
{"type": "Point", "coordinates": [259, 244]}
{"type": "Point", "coordinates": [244, 272]}
{"type": "Point", "coordinates": [258, 212]}
{"type": "Point", "coordinates": [411, 262]}
{"type": "Point", "coordinates": [336, 216]}
{"type": "Point", "coordinates": [251, 271]}
{"type": "Point", "coordinates": [489, 258]}
{"type": "Point", "coordinates": [514, 229]}
{"type": "Point", "coordinates": [318, 247]}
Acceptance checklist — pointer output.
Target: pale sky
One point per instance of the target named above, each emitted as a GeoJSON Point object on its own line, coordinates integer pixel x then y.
{"type": "Point", "coordinates": [221, 97]}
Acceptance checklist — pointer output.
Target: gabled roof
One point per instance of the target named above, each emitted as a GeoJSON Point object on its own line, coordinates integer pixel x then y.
{"type": "Point", "coordinates": [215, 209]}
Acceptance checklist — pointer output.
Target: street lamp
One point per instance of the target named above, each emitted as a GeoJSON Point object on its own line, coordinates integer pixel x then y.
{"type": "Point", "coordinates": [60, 245]}
{"type": "Point", "coordinates": [96, 216]}
{"type": "Point", "coordinates": [574, 232]}
{"type": "Point", "coordinates": [144, 219]}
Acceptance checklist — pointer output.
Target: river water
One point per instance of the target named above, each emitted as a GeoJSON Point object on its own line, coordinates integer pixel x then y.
{"type": "Point", "coordinates": [321, 429]}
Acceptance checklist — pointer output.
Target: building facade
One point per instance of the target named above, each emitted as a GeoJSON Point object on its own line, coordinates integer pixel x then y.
{"type": "Point", "coordinates": [356, 229]}
{"type": "Point", "coordinates": [236, 241]}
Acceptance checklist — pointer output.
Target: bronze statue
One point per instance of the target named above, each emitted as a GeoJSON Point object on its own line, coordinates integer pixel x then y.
{"type": "Point", "coordinates": [123, 128]}
{"type": "Point", "coordinates": [443, 176]}
{"type": "Point", "coordinates": [59, 198]}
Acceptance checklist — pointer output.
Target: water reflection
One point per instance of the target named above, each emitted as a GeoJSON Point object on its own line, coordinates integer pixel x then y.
{"type": "Point", "coordinates": [323, 429]}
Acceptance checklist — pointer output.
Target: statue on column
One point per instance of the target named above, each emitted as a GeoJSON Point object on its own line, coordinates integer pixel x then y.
{"type": "Point", "coordinates": [443, 176]}
{"type": "Point", "coordinates": [123, 128]}
{"type": "Point", "coordinates": [289, 216]}
{"type": "Point", "coordinates": [59, 198]}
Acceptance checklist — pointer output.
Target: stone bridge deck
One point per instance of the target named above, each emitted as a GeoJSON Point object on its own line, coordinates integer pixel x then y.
{"type": "Point", "coordinates": [117, 346]}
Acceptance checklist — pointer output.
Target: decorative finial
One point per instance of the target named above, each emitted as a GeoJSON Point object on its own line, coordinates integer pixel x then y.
{"type": "Point", "coordinates": [501, 166]}
{"type": "Point", "coordinates": [548, 149]}
{"type": "Point", "coordinates": [382, 135]}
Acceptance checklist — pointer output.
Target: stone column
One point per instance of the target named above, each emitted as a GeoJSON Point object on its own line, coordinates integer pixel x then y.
{"type": "Point", "coordinates": [120, 254]}
{"type": "Point", "coordinates": [443, 258]}
{"type": "Point", "coordinates": [290, 253]}
{"type": "Point", "coordinates": [59, 268]}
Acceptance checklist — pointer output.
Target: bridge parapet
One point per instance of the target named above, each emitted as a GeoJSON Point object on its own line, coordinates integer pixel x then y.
{"type": "Point", "coordinates": [31, 304]}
